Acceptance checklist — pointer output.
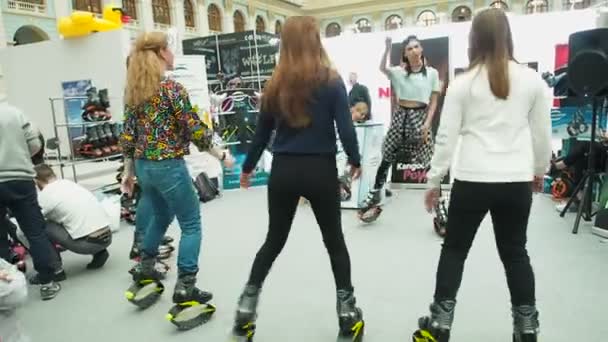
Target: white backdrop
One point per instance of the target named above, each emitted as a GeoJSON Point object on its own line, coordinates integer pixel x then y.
{"type": "Point", "coordinates": [34, 73]}
{"type": "Point", "coordinates": [535, 37]}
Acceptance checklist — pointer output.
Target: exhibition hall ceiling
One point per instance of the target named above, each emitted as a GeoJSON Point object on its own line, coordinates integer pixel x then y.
{"type": "Point", "coordinates": [317, 4]}
{"type": "Point", "coordinates": [319, 7]}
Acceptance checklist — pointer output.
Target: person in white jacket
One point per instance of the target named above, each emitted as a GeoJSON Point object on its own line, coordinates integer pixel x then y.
{"type": "Point", "coordinates": [501, 112]}
{"type": "Point", "coordinates": [13, 293]}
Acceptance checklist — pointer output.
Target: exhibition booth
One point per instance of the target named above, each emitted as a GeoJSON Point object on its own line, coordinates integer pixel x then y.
{"type": "Point", "coordinates": [537, 38]}
{"type": "Point", "coordinates": [71, 67]}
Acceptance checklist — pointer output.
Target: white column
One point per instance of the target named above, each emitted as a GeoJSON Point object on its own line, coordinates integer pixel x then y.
{"type": "Point", "coordinates": [145, 15]}
{"type": "Point", "coordinates": [62, 8]}
{"type": "Point", "coordinates": [556, 5]}
{"type": "Point", "coordinates": [179, 22]}
{"type": "Point", "coordinates": [177, 16]}
{"type": "Point", "coordinates": [202, 19]}
{"type": "Point", "coordinates": [3, 38]}
{"type": "Point", "coordinates": [228, 22]}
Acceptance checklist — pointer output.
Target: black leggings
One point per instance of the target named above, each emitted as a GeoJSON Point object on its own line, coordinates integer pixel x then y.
{"type": "Point", "coordinates": [316, 179]}
{"type": "Point", "coordinates": [509, 205]}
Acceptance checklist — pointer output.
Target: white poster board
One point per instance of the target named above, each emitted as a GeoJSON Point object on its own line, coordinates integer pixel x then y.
{"type": "Point", "coordinates": [35, 72]}
{"type": "Point", "coordinates": [191, 73]}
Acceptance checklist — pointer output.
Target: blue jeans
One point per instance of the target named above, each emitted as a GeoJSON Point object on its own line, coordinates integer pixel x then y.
{"type": "Point", "coordinates": [167, 191]}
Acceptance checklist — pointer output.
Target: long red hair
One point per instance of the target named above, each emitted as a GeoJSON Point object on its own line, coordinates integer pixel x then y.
{"type": "Point", "coordinates": [303, 67]}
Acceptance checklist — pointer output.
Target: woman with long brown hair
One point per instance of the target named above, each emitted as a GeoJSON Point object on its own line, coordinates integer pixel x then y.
{"type": "Point", "coordinates": [501, 112]}
{"type": "Point", "coordinates": [159, 126]}
{"type": "Point", "coordinates": [304, 101]}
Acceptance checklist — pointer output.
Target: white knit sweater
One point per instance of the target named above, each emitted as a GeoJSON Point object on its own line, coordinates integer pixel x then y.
{"type": "Point", "coordinates": [500, 140]}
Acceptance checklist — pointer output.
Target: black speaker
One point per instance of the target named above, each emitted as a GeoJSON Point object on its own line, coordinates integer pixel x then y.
{"type": "Point", "coordinates": [588, 62]}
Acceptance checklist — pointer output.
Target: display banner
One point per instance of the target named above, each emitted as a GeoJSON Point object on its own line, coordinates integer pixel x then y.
{"type": "Point", "coordinates": [575, 122]}
{"type": "Point", "coordinates": [75, 98]}
{"type": "Point", "coordinates": [437, 54]}
{"type": "Point", "coordinates": [241, 53]}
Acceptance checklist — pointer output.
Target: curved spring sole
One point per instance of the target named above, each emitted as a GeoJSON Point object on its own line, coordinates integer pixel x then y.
{"type": "Point", "coordinates": [189, 315]}
{"type": "Point", "coordinates": [422, 335]}
{"type": "Point", "coordinates": [369, 215]}
{"type": "Point", "coordinates": [354, 334]}
{"type": "Point", "coordinates": [243, 332]}
{"type": "Point", "coordinates": [145, 293]}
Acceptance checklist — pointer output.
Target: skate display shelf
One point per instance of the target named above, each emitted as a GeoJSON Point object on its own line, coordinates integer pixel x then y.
{"type": "Point", "coordinates": [61, 131]}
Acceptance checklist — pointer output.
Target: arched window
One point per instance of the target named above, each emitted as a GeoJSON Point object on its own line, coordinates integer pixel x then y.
{"type": "Point", "coordinates": [214, 16]}
{"type": "Point", "coordinates": [363, 25]}
{"type": "Point", "coordinates": [461, 13]}
{"type": "Point", "coordinates": [576, 4]}
{"type": "Point", "coordinates": [189, 14]}
{"type": "Point", "coordinates": [260, 24]}
{"type": "Point", "coordinates": [161, 12]}
{"type": "Point", "coordinates": [130, 8]}
{"type": "Point", "coordinates": [500, 4]}
{"type": "Point", "coordinates": [427, 18]}
{"type": "Point", "coordinates": [87, 5]}
{"type": "Point", "coordinates": [333, 30]}
{"type": "Point", "coordinates": [278, 27]}
{"type": "Point", "coordinates": [537, 6]}
{"type": "Point", "coordinates": [394, 22]}
{"type": "Point", "coordinates": [239, 21]}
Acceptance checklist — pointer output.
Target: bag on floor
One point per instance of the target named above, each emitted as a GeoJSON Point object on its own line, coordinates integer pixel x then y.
{"type": "Point", "coordinates": [111, 205]}
{"type": "Point", "coordinates": [601, 219]}
{"type": "Point", "coordinates": [207, 188]}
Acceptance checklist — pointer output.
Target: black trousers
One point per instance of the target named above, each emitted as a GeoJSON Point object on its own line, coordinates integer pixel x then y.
{"type": "Point", "coordinates": [87, 245]}
{"type": "Point", "coordinates": [22, 199]}
{"type": "Point", "coordinates": [316, 179]}
{"type": "Point", "coordinates": [509, 206]}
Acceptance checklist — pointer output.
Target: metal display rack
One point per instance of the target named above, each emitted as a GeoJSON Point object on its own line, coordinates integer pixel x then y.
{"type": "Point", "coordinates": [63, 159]}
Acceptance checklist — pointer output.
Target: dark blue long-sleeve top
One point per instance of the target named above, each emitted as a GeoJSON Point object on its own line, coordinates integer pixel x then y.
{"type": "Point", "coordinates": [328, 106]}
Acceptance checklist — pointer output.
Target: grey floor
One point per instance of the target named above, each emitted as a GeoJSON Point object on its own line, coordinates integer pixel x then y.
{"type": "Point", "coordinates": [393, 272]}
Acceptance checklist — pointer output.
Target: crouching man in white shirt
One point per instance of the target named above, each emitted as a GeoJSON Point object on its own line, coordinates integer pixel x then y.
{"type": "Point", "coordinates": [75, 218]}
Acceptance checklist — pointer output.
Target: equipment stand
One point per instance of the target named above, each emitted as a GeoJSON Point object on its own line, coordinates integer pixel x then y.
{"type": "Point", "coordinates": [589, 179]}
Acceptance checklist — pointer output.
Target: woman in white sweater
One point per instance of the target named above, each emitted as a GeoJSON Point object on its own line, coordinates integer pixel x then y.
{"type": "Point", "coordinates": [501, 112]}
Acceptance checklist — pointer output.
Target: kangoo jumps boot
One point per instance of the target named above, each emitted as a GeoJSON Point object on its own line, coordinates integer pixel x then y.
{"type": "Point", "coordinates": [147, 287]}
{"type": "Point", "coordinates": [192, 306]}
{"type": "Point", "coordinates": [246, 314]}
{"type": "Point", "coordinates": [350, 317]}
{"type": "Point", "coordinates": [525, 323]}
{"type": "Point", "coordinates": [436, 327]}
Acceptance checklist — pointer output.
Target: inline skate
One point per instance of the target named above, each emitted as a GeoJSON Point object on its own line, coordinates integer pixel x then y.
{"type": "Point", "coordinates": [246, 314]}
{"type": "Point", "coordinates": [147, 286]}
{"type": "Point", "coordinates": [436, 328]}
{"type": "Point", "coordinates": [371, 207]}
{"type": "Point", "coordinates": [192, 306]}
{"type": "Point", "coordinates": [350, 317]}
{"type": "Point", "coordinates": [525, 323]}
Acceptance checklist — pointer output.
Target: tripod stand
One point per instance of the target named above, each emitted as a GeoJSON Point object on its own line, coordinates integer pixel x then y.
{"type": "Point", "coordinates": [590, 177]}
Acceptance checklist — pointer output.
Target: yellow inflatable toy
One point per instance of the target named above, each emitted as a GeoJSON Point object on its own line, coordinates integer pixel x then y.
{"type": "Point", "coordinates": [81, 23]}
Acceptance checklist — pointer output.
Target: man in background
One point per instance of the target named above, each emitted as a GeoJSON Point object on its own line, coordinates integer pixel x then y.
{"type": "Point", "coordinates": [357, 94]}
{"type": "Point", "coordinates": [19, 141]}
{"type": "Point", "coordinates": [76, 220]}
